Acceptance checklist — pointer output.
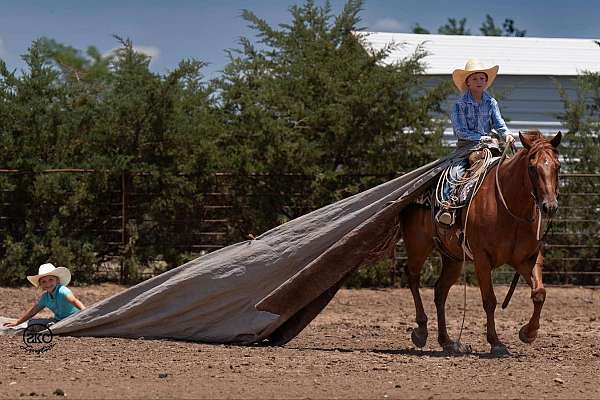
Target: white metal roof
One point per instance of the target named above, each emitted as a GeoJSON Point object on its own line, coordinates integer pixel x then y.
{"type": "Point", "coordinates": [515, 55]}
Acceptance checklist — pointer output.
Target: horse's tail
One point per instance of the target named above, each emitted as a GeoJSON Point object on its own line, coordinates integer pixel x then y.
{"type": "Point", "coordinates": [511, 290]}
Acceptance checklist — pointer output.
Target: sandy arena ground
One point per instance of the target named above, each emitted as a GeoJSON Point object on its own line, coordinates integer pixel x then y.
{"type": "Point", "coordinates": [359, 347]}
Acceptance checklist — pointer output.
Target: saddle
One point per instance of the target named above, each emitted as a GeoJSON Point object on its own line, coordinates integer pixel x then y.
{"type": "Point", "coordinates": [464, 188]}
{"type": "Point", "coordinates": [448, 219]}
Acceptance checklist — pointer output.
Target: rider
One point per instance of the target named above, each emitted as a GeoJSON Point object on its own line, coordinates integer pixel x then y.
{"type": "Point", "coordinates": [473, 116]}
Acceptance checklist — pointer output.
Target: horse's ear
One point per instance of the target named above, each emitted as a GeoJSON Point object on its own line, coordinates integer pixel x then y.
{"type": "Point", "coordinates": [525, 140]}
{"type": "Point", "coordinates": [556, 139]}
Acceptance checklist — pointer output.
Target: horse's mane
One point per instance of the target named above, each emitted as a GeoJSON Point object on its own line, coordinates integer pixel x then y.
{"type": "Point", "coordinates": [538, 142]}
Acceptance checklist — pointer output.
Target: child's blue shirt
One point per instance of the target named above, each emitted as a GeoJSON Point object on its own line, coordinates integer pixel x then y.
{"type": "Point", "coordinates": [58, 303]}
{"type": "Point", "coordinates": [471, 120]}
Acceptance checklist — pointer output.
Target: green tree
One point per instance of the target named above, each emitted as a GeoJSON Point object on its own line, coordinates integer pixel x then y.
{"type": "Point", "coordinates": [454, 27]}
{"type": "Point", "coordinates": [489, 28]}
{"type": "Point", "coordinates": [75, 64]}
{"type": "Point", "coordinates": [154, 133]}
{"type": "Point", "coordinates": [581, 152]}
{"type": "Point", "coordinates": [308, 101]}
{"type": "Point", "coordinates": [417, 28]}
{"type": "Point", "coordinates": [510, 30]}
{"type": "Point", "coordinates": [34, 123]}
{"type": "Point", "coordinates": [582, 117]}
{"type": "Point", "coordinates": [158, 132]}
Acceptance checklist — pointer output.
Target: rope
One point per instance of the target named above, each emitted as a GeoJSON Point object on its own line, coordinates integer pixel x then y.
{"type": "Point", "coordinates": [499, 189]}
{"type": "Point", "coordinates": [501, 195]}
{"type": "Point", "coordinates": [467, 251]}
{"type": "Point", "coordinates": [462, 324]}
{"type": "Point", "coordinates": [478, 173]}
{"type": "Point", "coordinates": [472, 174]}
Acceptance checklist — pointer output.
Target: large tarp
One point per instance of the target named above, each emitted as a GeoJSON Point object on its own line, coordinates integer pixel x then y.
{"type": "Point", "coordinates": [263, 290]}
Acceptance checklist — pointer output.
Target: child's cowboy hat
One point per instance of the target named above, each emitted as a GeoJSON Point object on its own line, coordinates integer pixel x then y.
{"type": "Point", "coordinates": [63, 274]}
{"type": "Point", "coordinates": [459, 76]}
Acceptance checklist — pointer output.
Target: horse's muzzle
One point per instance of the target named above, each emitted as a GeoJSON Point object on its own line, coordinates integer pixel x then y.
{"type": "Point", "coordinates": [549, 208]}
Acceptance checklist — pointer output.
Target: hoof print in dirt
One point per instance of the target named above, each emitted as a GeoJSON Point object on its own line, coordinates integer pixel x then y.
{"type": "Point", "coordinates": [457, 348]}
{"type": "Point", "coordinates": [500, 351]}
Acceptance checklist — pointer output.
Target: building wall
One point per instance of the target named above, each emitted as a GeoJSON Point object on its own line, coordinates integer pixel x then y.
{"type": "Point", "coordinates": [526, 102]}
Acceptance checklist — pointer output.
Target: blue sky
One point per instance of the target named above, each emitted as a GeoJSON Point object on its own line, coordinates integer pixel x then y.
{"type": "Point", "coordinates": [177, 29]}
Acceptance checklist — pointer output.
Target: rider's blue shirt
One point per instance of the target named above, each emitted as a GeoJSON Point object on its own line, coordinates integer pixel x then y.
{"type": "Point", "coordinates": [471, 120]}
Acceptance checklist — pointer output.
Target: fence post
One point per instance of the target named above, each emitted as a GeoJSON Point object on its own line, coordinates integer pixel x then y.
{"type": "Point", "coordinates": [124, 273]}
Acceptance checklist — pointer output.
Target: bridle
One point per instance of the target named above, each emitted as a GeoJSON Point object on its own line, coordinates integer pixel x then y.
{"type": "Point", "coordinates": [532, 171]}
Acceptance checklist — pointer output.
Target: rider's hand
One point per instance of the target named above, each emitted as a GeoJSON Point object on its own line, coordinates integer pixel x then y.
{"type": "Point", "coordinates": [9, 324]}
{"type": "Point", "coordinates": [509, 138]}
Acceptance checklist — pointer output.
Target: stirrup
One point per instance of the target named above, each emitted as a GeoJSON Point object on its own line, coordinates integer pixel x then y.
{"type": "Point", "coordinates": [445, 217]}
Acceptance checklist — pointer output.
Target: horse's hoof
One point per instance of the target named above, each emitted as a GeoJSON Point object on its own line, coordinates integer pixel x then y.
{"type": "Point", "coordinates": [453, 347]}
{"type": "Point", "coordinates": [523, 334]}
{"type": "Point", "coordinates": [419, 337]}
{"type": "Point", "coordinates": [500, 350]}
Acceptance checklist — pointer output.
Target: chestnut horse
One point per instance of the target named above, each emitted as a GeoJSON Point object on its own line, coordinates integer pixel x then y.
{"type": "Point", "coordinates": [502, 228]}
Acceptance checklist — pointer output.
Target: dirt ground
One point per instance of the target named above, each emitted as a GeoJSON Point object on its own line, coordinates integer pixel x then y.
{"type": "Point", "coordinates": [359, 347]}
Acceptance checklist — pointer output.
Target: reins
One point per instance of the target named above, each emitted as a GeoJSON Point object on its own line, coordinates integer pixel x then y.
{"type": "Point", "coordinates": [499, 189]}
{"type": "Point", "coordinates": [503, 201]}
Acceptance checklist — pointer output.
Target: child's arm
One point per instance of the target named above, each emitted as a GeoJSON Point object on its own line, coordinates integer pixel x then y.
{"type": "Point", "coordinates": [75, 301]}
{"type": "Point", "coordinates": [30, 313]}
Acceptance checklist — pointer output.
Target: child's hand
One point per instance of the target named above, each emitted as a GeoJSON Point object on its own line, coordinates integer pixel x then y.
{"type": "Point", "coordinates": [10, 324]}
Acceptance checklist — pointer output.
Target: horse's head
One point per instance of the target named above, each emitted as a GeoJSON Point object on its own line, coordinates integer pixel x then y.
{"type": "Point", "coordinates": [543, 167]}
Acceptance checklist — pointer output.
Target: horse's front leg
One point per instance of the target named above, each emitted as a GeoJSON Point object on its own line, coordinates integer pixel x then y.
{"type": "Point", "coordinates": [483, 270]}
{"type": "Point", "coordinates": [450, 273]}
{"type": "Point", "coordinates": [533, 276]}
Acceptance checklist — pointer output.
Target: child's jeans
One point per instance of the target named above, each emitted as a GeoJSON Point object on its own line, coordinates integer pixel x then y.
{"type": "Point", "coordinates": [456, 172]}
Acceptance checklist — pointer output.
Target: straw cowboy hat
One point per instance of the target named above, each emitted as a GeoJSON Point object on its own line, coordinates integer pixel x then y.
{"type": "Point", "coordinates": [459, 76]}
{"type": "Point", "coordinates": [63, 274]}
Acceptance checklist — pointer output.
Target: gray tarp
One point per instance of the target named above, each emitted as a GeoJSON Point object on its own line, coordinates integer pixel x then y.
{"type": "Point", "coordinates": [268, 288]}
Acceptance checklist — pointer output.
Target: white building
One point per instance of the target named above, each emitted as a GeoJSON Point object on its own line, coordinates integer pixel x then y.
{"type": "Point", "coordinates": [531, 70]}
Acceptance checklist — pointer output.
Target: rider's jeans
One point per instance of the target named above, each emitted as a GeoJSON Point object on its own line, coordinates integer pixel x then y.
{"type": "Point", "coordinates": [456, 172]}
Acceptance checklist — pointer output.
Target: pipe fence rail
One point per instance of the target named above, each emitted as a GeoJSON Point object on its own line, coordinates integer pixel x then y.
{"type": "Point", "coordinates": [124, 221]}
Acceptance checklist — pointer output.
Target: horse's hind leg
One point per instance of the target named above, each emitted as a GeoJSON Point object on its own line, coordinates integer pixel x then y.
{"type": "Point", "coordinates": [451, 270]}
{"type": "Point", "coordinates": [418, 247]}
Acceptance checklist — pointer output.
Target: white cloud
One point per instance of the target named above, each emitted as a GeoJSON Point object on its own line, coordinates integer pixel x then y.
{"type": "Point", "coordinates": [387, 25]}
{"type": "Point", "coordinates": [151, 51]}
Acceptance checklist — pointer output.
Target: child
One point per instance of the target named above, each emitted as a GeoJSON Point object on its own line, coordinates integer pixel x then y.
{"type": "Point", "coordinates": [476, 113]}
{"type": "Point", "coordinates": [473, 116]}
{"type": "Point", "coordinates": [57, 297]}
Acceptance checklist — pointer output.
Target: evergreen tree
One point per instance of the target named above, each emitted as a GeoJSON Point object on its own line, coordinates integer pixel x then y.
{"type": "Point", "coordinates": [454, 27]}
{"type": "Point", "coordinates": [310, 101]}
{"type": "Point", "coordinates": [581, 152]}
{"type": "Point", "coordinates": [112, 115]}
{"type": "Point", "coordinates": [488, 28]}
